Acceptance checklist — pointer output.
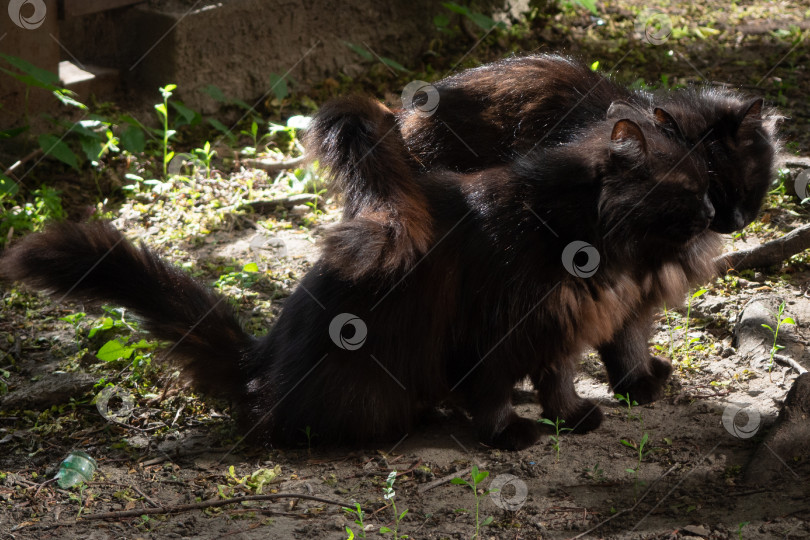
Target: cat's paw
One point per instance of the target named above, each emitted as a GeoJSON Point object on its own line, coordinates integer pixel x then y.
{"type": "Point", "coordinates": [649, 386]}
{"type": "Point", "coordinates": [585, 416]}
{"type": "Point", "coordinates": [519, 434]}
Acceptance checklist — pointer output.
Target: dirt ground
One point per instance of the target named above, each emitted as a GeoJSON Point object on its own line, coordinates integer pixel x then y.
{"type": "Point", "coordinates": [176, 448]}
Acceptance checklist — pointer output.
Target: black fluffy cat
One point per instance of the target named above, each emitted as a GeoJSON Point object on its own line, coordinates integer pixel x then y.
{"type": "Point", "coordinates": [495, 294]}
{"type": "Point", "coordinates": [489, 115]}
{"type": "Point", "coordinates": [495, 114]}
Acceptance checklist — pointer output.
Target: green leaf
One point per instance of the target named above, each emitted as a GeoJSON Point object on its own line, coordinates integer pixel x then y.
{"type": "Point", "coordinates": [161, 109]}
{"type": "Point", "coordinates": [788, 320]}
{"type": "Point", "coordinates": [221, 127]}
{"type": "Point", "coordinates": [7, 185]}
{"type": "Point", "coordinates": [113, 350]}
{"type": "Point", "coordinates": [384, 530]}
{"type": "Point", "coordinates": [359, 50]}
{"type": "Point", "coordinates": [394, 64]}
{"type": "Point", "coordinates": [279, 86]}
{"type": "Point", "coordinates": [487, 521]}
{"type": "Point", "coordinates": [190, 116]}
{"type": "Point", "coordinates": [644, 439]}
{"type": "Point", "coordinates": [547, 421]}
{"type": "Point", "coordinates": [483, 21]}
{"type": "Point", "coordinates": [215, 92]}
{"type": "Point", "coordinates": [480, 477]}
{"type": "Point", "coordinates": [700, 293]}
{"type": "Point", "coordinates": [402, 515]}
{"type": "Point", "coordinates": [66, 98]}
{"type": "Point", "coordinates": [350, 533]}
{"type": "Point", "coordinates": [441, 20]}
{"type": "Point", "coordinates": [53, 146]}
{"type": "Point", "coordinates": [595, 66]}
{"type": "Point", "coordinates": [766, 326]}
{"type": "Point", "coordinates": [13, 132]}
{"type": "Point", "coordinates": [459, 482]}
{"type": "Point", "coordinates": [133, 139]}
{"type": "Point", "coordinates": [91, 147]}
{"type": "Point", "coordinates": [43, 77]}
{"type": "Point", "coordinates": [628, 444]}
{"type": "Point", "coordinates": [250, 267]}
{"type": "Point", "coordinates": [455, 8]}
{"type": "Point", "coordinates": [588, 4]}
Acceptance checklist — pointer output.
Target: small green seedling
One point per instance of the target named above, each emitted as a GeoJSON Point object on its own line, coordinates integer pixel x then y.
{"type": "Point", "coordinates": [630, 403]}
{"type": "Point", "coordinates": [358, 515]}
{"type": "Point", "coordinates": [555, 439]}
{"type": "Point", "coordinates": [163, 112]}
{"type": "Point", "coordinates": [477, 477]}
{"type": "Point", "coordinates": [779, 322]}
{"type": "Point", "coordinates": [205, 154]}
{"type": "Point", "coordinates": [740, 527]}
{"type": "Point", "coordinates": [388, 495]}
{"type": "Point", "coordinates": [641, 454]}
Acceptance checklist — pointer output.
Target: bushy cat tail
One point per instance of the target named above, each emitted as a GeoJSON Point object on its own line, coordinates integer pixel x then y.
{"type": "Point", "coordinates": [94, 262]}
{"type": "Point", "coordinates": [386, 218]}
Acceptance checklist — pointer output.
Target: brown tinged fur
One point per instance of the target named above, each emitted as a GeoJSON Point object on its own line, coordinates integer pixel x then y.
{"type": "Point", "coordinates": [96, 263]}
{"type": "Point", "coordinates": [491, 303]}
{"type": "Point", "coordinates": [358, 142]}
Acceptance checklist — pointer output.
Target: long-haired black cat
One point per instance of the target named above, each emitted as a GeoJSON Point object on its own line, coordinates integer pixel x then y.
{"type": "Point", "coordinates": [488, 115]}
{"type": "Point", "coordinates": [498, 295]}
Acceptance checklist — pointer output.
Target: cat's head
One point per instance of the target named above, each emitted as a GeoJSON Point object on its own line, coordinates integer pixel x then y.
{"type": "Point", "coordinates": [654, 192]}
{"type": "Point", "coordinates": [737, 138]}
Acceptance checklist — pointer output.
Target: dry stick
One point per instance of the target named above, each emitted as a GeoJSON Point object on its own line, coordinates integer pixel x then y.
{"type": "Point", "coordinates": [789, 362]}
{"type": "Point", "coordinates": [444, 479]}
{"type": "Point", "coordinates": [211, 503]}
{"type": "Point", "coordinates": [769, 253]}
{"type": "Point", "coordinates": [22, 160]}
{"type": "Point", "coordinates": [274, 166]}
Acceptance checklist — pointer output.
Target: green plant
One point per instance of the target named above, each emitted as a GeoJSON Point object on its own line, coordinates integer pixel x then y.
{"type": "Point", "coordinates": [358, 515]}
{"type": "Point", "coordinates": [641, 453]}
{"type": "Point", "coordinates": [29, 216]}
{"type": "Point", "coordinates": [740, 527]}
{"type": "Point", "coordinates": [630, 403]}
{"type": "Point", "coordinates": [163, 112]}
{"type": "Point", "coordinates": [476, 477]}
{"type": "Point", "coordinates": [775, 332]}
{"type": "Point", "coordinates": [595, 473]}
{"type": "Point", "coordinates": [389, 494]}
{"type": "Point", "coordinates": [555, 439]}
{"type": "Point", "coordinates": [205, 154]}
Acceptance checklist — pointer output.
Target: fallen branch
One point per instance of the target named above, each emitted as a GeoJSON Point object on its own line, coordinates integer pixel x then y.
{"type": "Point", "coordinates": [211, 503]}
{"type": "Point", "coordinates": [769, 253]}
{"type": "Point", "coordinates": [265, 206]}
{"type": "Point", "coordinates": [274, 166]}
{"type": "Point", "coordinates": [789, 362]}
{"type": "Point", "coordinates": [444, 479]}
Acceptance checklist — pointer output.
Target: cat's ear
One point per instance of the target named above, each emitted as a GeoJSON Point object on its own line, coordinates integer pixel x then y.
{"type": "Point", "coordinates": [621, 109]}
{"type": "Point", "coordinates": [752, 110]}
{"type": "Point", "coordinates": [667, 121]}
{"type": "Point", "coordinates": [627, 131]}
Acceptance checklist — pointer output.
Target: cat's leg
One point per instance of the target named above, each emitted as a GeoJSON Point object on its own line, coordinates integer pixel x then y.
{"type": "Point", "coordinates": [559, 398]}
{"type": "Point", "coordinates": [630, 366]}
{"type": "Point", "coordinates": [487, 395]}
